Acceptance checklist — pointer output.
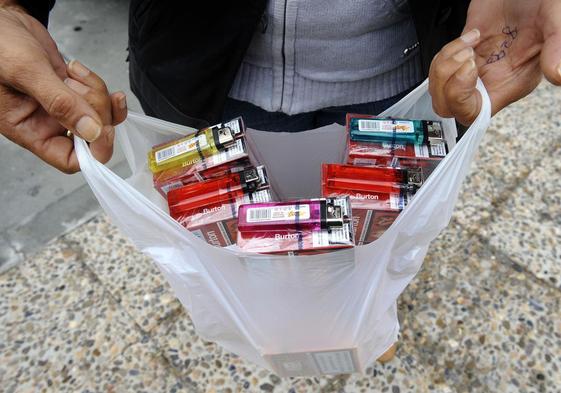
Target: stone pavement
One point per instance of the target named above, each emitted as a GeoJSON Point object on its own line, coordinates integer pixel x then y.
{"type": "Point", "coordinates": [88, 313]}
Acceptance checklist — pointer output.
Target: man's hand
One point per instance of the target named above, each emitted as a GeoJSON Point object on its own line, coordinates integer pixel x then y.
{"type": "Point", "coordinates": [41, 97]}
{"type": "Point", "coordinates": [509, 44]}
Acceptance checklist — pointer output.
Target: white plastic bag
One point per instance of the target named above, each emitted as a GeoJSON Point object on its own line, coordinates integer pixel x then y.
{"type": "Point", "coordinates": [300, 315]}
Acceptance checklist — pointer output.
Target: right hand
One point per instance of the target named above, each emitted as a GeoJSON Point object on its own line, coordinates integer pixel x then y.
{"type": "Point", "coordinates": [41, 97]}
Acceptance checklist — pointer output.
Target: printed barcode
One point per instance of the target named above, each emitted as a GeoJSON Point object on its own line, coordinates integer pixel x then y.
{"type": "Point", "coordinates": [234, 126]}
{"type": "Point", "coordinates": [324, 238]}
{"type": "Point", "coordinates": [377, 125]}
{"type": "Point", "coordinates": [219, 158]}
{"type": "Point", "coordinates": [165, 154]}
{"type": "Point", "coordinates": [183, 147]}
{"type": "Point", "coordinates": [421, 151]}
{"type": "Point", "coordinates": [320, 238]}
{"type": "Point", "coordinates": [369, 125]}
{"type": "Point", "coordinates": [237, 149]}
{"type": "Point", "coordinates": [262, 196]}
{"type": "Point", "coordinates": [229, 153]}
{"type": "Point", "coordinates": [338, 235]}
{"type": "Point", "coordinates": [259, 196]}
{"type": "Point", "coordinates": [259, 214]}
{"type": "Point", "coordinates": [438, 149]}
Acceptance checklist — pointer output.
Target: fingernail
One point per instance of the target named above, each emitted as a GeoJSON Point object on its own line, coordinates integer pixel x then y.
{"type": "Point", "coordinates": [467, 72]}
{"type": "Point", "coordinates": [79, 68]}
{"type": "Point", "coordinates": [78, 87]}
{"type": "Point", "coordinates": [88, 128]}
{"type": "Point", "coordinates": [559, 69]}
{"type": "Point", "coordinates": [123, 102]}
{"type": "Point", "coordinates": [471, 36]}
{"type": "Point", "coordinates": [463, 55]}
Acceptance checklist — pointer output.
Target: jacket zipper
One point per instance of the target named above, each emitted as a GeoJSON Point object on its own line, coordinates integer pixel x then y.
{"type": "Point", "coordinates": [283, 53]}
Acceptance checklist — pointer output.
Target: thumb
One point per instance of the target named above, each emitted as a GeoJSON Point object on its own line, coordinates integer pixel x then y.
{"type": "Point", "coordinates": [62, 103]}
{"type": "Point", "coordinates": [462, 96]}
{"type": "Point", "coordinates": [550, 58]}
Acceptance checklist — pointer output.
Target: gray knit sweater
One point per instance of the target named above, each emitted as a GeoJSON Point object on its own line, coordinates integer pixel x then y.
{"type": "Point", "coordinates": [312, 54]}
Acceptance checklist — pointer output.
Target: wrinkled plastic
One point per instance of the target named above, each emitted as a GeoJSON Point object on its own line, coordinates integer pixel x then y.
{"type": "Point", "coordinates": [258, 305]}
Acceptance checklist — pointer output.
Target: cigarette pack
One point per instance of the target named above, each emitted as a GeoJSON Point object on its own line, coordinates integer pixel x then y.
{"type": "Point", "coordinates": [377, 195]}
{"type": "Point", "coordinates": [398, 153]}
{"type": "Point", "coordinates": [302, 225]}
{"type": "Point", "coordinates": [376, 179]}
{"type": "Point", "coordinates": [194, 148]}
{"type": "Point", "coordinates": [217, 223]}
{"type": "Point", "coordinates": [370, 218]}
{"type": "Point", "coordinates": [367, 128]}
{"type": "Point", "coordinates": [192, 196]}
{"type": "Point", "coordinates": [209, 208]}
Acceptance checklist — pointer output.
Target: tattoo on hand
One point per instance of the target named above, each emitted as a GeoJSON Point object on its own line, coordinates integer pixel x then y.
{"type": "Point", "coordinates": [511, 34]}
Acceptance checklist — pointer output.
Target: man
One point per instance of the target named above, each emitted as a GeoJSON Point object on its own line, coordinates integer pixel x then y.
{"type": "Point", "coordinates": [185, 60]}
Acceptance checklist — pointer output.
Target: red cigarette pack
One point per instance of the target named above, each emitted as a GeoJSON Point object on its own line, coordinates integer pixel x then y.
{"type": "Point", "coordinates": [209, 208]}
{"type": "Point", "coordinates": [392, 155]}
{"type": "Point", "coordinates": [377, 195]}
{"type": "Point", "coordinates": [217, 223]}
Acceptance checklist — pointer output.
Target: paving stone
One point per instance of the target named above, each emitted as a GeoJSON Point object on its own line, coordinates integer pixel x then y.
{"type": "Point", "coordinates": [404, 373]}
{"type": "Point", "coordinates": [140, 368]}
{"type": "Point", "coordinates": [57, 323]}
{"type": "Point", "coordinates": [478, 323]}
{"type": "Point", "coordinates": [528, 227]}
{"type": "Point", "coordinates": [205, 364]}
{"type": "Point", "coordinates": [15, 290]}
{"type": "Point", "coordinates": [52, 282]}
{"type": "Point", "coordinates": [131, 277]}
{"type": "Point", "coordinates": [518, 139]}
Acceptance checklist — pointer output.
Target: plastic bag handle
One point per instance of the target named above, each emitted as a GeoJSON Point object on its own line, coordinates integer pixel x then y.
{"type": "Point", "coordinates": [405, 261]}
{"type": "Point", "coordinates": [453, 161]}
{"type": "Point", "coordinates": [104, 182]}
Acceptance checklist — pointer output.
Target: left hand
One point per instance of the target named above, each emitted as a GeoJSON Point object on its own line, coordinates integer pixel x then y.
{"type": "Point", "coordinates": [509, 44]}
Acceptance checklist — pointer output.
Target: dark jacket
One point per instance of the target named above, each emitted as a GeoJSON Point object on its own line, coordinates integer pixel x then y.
{"type": "Point", "coordinates": [184, 57]}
